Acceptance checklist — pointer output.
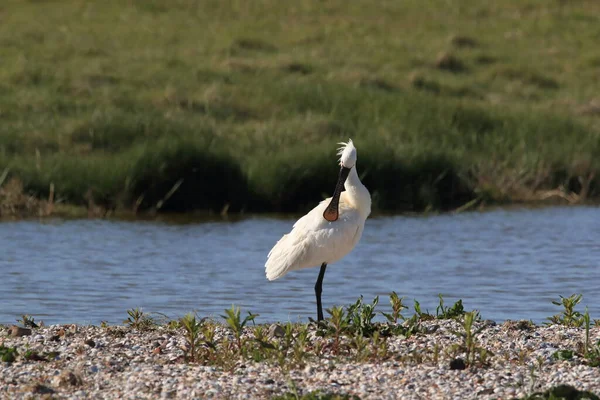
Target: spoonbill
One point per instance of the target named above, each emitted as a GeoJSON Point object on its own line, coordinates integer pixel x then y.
{"type": "Point", "coordinates": [329, 231]}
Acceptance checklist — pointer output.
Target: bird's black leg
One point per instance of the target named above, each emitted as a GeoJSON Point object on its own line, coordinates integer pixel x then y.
{"type": "Point", "coordinates": [318, 290]}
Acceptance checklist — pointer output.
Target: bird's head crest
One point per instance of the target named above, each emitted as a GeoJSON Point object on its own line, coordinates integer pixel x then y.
{"type": "Point", "coordinates": [347, 154]}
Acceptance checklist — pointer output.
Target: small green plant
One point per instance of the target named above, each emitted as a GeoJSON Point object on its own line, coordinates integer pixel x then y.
{"type": "Point", "coordinates": [138, 319]}
{"type": "Point", "coordinates": [469, 344]}
{"type": "Point", "coordinates": [28, 321]}
{"type": "Point", "coordinates": [563, 355]}
{"type": "Point", "coordinates": [236, 323]}
{"type": "Point", "coordinates": [360, 317]}
{"type": "Point", "coordinates": [422, 315]}
{"type": "Point", "coordinates": [287, 352]}
{"type": "Point", "coordinates": [288, 336]}
{"type": "Point", "coordinates": [456, 311]}
{"type": "Point", "coordinates": [359, 344]}
{"type": "Point", "coordinates": [569, 317]}
{"type": "Point", "coordinates": [316, 395]}
{"type": "Point", "coordinates": [591, 352]}
{"type": "Point", "coordinates": [299, 346]}
{"type": "Point", "coordinates": [593, 355]}
{"type": "Point", "coordinates": [397, 308]}
{"type": "Point", "coordinates": [8, 354]}
{"type": "Point", "coordinates": [338, 325]}
{"type": "Point", "coordinates": [257, 349]}
{"type": "Point", "coordinates": [586, 321]}
{"type": "Point", "coordinates": [260, 334]}
{"type": "Point", "coordinates": [192, 328]}
{"type": "Point", "coordinates": [227, 355]}
{"type": "Point", "coordinates": [413, 324]}
{"type": "Point", "coordinates": [209, 331]}
{"type": "Point", "coordinates": [378, 346]}
{"type": "Point", "coordinates": [393, 327]}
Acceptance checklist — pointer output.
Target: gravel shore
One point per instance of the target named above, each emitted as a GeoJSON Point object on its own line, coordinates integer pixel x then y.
{"type": "Point", "coordinates": [91, 362]}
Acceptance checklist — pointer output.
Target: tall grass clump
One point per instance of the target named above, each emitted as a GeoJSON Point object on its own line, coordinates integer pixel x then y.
{"type": "Point", "coordinates": [185, 175]}
{"type": "Point", "coordinates": [292, 180]}
{"type": "Point", "coordinates": [76, 179]}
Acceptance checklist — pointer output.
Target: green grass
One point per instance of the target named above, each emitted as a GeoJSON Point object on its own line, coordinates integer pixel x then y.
{"type": "Point", "coordinates": [187, 105]}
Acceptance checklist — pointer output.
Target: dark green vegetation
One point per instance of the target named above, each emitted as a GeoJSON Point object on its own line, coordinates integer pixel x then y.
{"type": "Point", "coordinates": [318, 395]}
{"type": "Point", "coordinates": [210, 105]}
{"type": "Point", "coordinates": [8, 354]}
{"type": "Point", "coordinates": [563, 392]}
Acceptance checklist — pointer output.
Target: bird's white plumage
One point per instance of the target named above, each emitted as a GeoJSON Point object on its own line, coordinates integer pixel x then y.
{"type": "Point", "coordinates": [347, 154]}
{"type": "Point", "coordinates": [314, 240]}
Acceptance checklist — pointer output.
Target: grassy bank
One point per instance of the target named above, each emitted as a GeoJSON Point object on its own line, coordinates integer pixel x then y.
{"type": "Point", "coordinates": [238, 105]}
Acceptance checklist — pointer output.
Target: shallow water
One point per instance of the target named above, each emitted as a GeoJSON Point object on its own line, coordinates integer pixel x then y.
{"type": "Point", "coordinates": [509, 264]}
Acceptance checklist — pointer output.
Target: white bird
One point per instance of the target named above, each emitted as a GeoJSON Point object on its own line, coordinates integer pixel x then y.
{"type": "Point", "coordinates": [329, 231]}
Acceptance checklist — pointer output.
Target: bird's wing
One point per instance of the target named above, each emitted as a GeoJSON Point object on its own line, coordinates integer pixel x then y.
{"type": "Point", "coordinates": [313, 240]}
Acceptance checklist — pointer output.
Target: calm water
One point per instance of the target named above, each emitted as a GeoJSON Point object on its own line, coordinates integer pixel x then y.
{"type": "Point", "coordinates": [509, 264]}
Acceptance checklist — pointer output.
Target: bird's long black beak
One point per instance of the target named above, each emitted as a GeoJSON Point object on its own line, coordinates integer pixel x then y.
{"type": "Point", "coordinates": [331, 213]}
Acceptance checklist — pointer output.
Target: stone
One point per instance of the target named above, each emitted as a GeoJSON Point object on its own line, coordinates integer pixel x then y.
{"type": "Point", "coordinates": [67, 378]}
{"type": "Point", "coordinates": [276, 330]}
{"type": "Point", "coordinates": [16, 331]}
{"type": "Point", "coordinates": [458, 364]}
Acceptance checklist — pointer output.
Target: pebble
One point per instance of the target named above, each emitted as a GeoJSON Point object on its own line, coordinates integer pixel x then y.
{"type": "Point", "coordinates": [276, 330]}
{"type": "Point", "coordinates": [16, 331]}
{"type": "Point", "coordinates": [119, 363]}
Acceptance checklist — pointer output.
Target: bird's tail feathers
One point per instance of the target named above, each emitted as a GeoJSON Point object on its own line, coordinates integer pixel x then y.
{"type": "Point", "coordinates": [284, 257]}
